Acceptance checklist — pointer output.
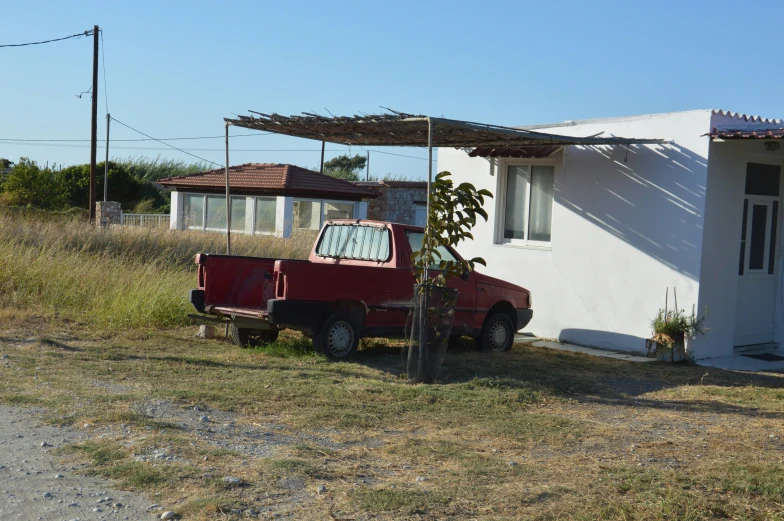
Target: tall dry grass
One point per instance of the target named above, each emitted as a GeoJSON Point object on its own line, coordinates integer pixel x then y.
{"type": "Point", "coordinates": [117, 277]}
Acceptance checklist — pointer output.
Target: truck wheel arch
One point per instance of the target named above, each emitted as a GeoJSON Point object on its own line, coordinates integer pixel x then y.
{"type": "Point", "coordinates": [505, 307]}
{"type": "Point", "coordinates": [356, 310]}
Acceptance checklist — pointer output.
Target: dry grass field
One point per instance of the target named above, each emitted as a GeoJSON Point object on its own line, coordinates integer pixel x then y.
{"type": "Point", "coordinates": [530, 434]}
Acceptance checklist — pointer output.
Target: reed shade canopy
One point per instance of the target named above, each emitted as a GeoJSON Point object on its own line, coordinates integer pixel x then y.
{"type": "Point", "coordinates": [407, 130]}
{"type": "Point", "coordinates": [398, 129]}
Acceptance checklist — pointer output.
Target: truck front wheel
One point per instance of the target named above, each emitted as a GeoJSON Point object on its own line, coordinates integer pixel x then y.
{"type": "Point", "coordinates": [338, 338]}
{"type": "Point", "coordinates": [497, 333]}
{"type": "Point", "coordinates": [244, 337]}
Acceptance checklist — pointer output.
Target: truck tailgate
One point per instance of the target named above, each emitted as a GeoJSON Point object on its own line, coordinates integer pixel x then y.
{"type": "Point", "coordinates": [235, 285]}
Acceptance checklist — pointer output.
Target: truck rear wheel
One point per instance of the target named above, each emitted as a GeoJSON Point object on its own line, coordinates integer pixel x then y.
{"type": "Point", "coordinates": [243, 337]}
{"type": "Point", "coordinates": [338, 338]}
{"type": "Point", "coordinates": [497, 334]}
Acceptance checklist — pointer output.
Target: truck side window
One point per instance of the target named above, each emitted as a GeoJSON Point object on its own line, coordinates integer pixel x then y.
{"type": "Point", "coordinates": [415, 241]}
{"type": "Point", "coordinates": [354, 241]}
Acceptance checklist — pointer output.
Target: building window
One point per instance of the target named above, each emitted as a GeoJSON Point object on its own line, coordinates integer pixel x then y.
{"type": "Point", "coordinates": [311, 214]}
{"type": "Point", "coordinates": [307, 215]}
{"type": "Point", "coordinates": [338, 211]}
{"type": "Point", "coordinates": [420, 214]}
{"type": "Point", "coordinates": [528, 204]}
{"type": "Point", "coordinates": [208, 212]}
{"type": "Point", "coordinates": [266, 214]}
{"type": "Point", "coordinates": [193, 211]}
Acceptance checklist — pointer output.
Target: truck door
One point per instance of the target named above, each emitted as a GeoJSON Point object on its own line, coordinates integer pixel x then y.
{"type": "Point", "coordinates": [466, 286]}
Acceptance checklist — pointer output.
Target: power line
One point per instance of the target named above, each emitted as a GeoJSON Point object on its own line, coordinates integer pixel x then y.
{"type": "Point", "coordinates": [139, 139]}
{"type": "Point", "coordinates": [80, 35]}
{"type": "Point", "coordinates": [210, 149]}
{"type": "Point", "coordinates": [165, 143]}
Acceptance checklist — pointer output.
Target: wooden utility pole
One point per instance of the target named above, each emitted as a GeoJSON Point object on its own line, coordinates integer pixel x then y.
{"type": "Point", "coordinates": [367, 172]}
{"type": "Point", "coordinates": [94, 134]}
{"type": "Point", "coordinates": [321, 168]}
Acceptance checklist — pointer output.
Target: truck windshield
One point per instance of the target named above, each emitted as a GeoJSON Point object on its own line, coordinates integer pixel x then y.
{"type": "Point", "coordinates": [354, 241]}
{"type": "Point", "coordinates": [415, 241]}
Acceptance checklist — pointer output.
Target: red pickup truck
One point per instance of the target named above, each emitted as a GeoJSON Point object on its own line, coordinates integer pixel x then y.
{"type": "Point", "coordinates": [358, 282]}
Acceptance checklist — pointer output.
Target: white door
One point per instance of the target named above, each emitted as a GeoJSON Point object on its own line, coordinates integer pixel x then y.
{"type": "Point", "coordinates": [759, 252]}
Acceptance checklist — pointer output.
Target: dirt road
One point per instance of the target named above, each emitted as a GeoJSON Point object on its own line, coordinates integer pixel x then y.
{"type": "Point", "coordinates": [33, 486]}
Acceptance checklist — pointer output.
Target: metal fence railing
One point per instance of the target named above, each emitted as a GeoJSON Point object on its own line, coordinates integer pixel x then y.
{"type": "Point", "coordinates": [152, 220]}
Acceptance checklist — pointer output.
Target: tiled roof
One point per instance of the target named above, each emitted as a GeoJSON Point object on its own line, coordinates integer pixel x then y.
{"type": "Point", "coordinates": [770, 133]}
{"type": "Point", "coordinates": [273, 179]}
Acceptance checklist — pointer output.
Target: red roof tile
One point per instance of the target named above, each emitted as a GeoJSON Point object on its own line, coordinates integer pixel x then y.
{"type": "Point", "coordinates": [768, 133]}
{"type": "Point", "coordinates": [273, 179]}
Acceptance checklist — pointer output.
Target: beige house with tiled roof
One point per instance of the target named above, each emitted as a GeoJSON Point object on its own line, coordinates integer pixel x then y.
{"type": "Point", "coordinates": [267, 199]}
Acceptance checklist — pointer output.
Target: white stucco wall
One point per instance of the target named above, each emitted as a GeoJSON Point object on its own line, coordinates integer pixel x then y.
{"type": "Point", "coordinates": [623, 229]}
{"type": "Point", "coordinates": [175, 208]}
{"type": "Point", "coordinates": [284, 216]}
{"type": "Point", "coordinates": [721, 242]}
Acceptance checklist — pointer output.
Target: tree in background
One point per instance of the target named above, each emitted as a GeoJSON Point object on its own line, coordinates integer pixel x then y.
{"type": "Point", "coordinates": [345, 167]}
{"type": "Point", "coordinates": [123, 187]}
{"type": "Point", "coordinates": [131, 183]}
{"type": "Point", "coordinates": [146, 169]}
{"type": "Point", "coordinates": [30, 185]}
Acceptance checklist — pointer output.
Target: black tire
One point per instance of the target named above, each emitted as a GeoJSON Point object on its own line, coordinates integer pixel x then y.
{"type": "Point", "coordinates": [497, 333]}
{"type": "Point", "coordinates": [245, 337]}
{"type": "Point", "coordinates": [338, 337]}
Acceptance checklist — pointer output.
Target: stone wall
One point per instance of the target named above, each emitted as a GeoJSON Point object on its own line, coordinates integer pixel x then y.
{"type": "Point", "coordinates": [396, 204]}
{"type": "Point", "coordinates": [108, 212]}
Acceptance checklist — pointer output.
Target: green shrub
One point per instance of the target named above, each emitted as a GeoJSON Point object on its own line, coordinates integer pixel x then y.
{"type": "Point", "coordinates": [30, 185]}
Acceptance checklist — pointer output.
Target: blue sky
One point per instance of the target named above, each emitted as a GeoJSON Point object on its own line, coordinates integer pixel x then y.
{"type": "Point", "coordinates": [177, 68]}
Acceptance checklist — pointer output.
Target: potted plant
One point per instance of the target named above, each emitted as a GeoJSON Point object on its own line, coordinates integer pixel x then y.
{"type": "Point", "coordinates": [671, 328]}
{"type": "Point", "coordinates": [453, 212]}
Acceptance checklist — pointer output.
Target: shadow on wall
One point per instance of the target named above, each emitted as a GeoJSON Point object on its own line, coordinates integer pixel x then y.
{"type": "Point", "coordinates": [652, 197]}
{"type": "Point", "coordinates": [604, 340]}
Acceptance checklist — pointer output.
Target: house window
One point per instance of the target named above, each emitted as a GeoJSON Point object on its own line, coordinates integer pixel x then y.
{"type": "Point", "coordinates": [338, 211]}
{"type": "Point", "coordinates": [208, 212]}
{"type": "Point", "coordinates": [307, 215]}
{"type": "Point", "coordinates": [266, 213]}
{"type": "Point", "coordinates": [193, 211]}
{"type": "Point", "coordinates": [311, 215]}
{"type": "Point", "coordinates": [528, 204]}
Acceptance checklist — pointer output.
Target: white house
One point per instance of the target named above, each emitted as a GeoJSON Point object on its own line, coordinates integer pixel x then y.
{"type": "Point", "coordinates": [266, 199]}
{"type": "Point", "coordinates": [597, 233]}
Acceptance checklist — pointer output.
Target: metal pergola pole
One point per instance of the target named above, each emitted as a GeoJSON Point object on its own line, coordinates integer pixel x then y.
{"type": "Point", "coordinates": [228, 196]}
{"type": "Point", "coordinates": [426, 269]}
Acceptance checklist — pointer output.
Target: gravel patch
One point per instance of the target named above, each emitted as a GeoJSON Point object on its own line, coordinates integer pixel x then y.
{"type": "Point", "coordinates": [34, 486]}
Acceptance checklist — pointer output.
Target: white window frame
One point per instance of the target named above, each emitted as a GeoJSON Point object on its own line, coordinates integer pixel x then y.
{"type": "Point", "coordinates": [223, 229]}
{"type": "Point", "coordinates": [204, 226]}
{"type": "Point", "coordinates": [321, 202]}
{"type": "Point", "coordinates": [253, 215]}
{"type": "Point", "coordinates": [500, 216]}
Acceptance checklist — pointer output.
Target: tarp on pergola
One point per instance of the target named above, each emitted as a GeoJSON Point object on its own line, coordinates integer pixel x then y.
{"type": "Point", "coordinates": [408, 130]}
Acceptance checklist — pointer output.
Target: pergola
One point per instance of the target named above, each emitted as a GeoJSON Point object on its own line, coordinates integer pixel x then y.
{"type": "Point", "coordinates": [407, 130]}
